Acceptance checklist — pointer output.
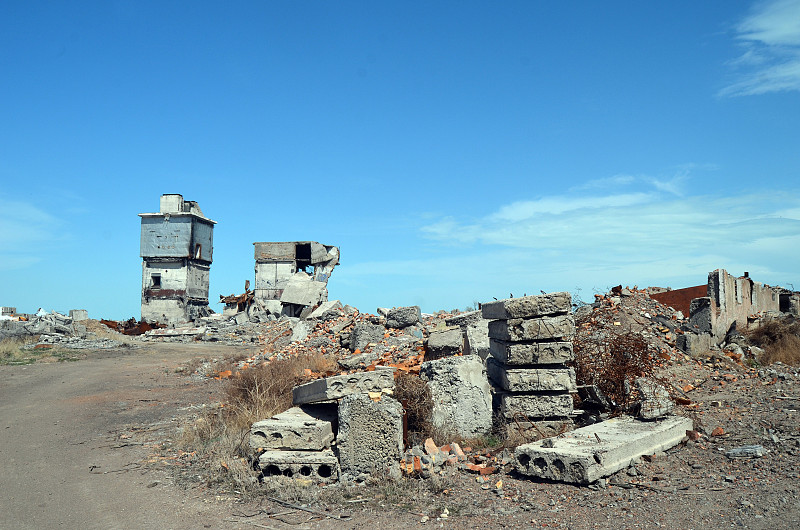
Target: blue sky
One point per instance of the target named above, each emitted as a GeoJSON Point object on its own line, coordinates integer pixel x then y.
{"type": "Point", "coordinates": [454, 151]}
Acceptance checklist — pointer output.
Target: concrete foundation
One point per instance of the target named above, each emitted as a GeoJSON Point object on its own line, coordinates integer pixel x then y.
{"type": "Point", "coordinates": [589, 453]}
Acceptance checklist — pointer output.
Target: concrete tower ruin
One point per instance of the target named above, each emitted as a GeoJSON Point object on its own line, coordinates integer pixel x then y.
{"type": "Point", "coordinates": [176, 249]}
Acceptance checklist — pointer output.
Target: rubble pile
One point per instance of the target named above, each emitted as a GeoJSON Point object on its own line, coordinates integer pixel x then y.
{"type": "Point", "coordinates": [53, 328]}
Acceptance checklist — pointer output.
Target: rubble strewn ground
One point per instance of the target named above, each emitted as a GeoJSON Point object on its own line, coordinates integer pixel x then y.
{"type": "Point", "coordinates": [738, 467]}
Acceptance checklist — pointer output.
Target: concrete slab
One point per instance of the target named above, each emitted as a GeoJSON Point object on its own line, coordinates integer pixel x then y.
{"type": "Point", "coordinates": [320, 466]}
{"type": "Point", "coordinates": [339, 386]}
{"type": "Point", "coordinates": [476, 339]}
{"type": "Point", "coordinates": [326, 311]}
{"type": "Point", "coordinates": [530, 431]}
{"type": "Point", "coordinates": [531, 379]}
{"type": "Point", "coordinates": [302, 290]}
{"type": "Point", "coordinates": [307, 428]}
{"type": "Point", "coordinates": [533, 405]}
{"type": "Point", "coordinates": [546, 328]}
{"type": "Point", "coordinates": [175, 332]}
{"type": "Point", "coordinates": [589, 453]}
{"type": "Point", "coordinates": [528, 306]}
{"type": "Point", "coordinates": [516, 353]}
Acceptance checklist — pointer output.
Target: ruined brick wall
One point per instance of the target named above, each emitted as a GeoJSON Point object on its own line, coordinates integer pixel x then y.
{"type": "Point", "coordinates": [681, 299]}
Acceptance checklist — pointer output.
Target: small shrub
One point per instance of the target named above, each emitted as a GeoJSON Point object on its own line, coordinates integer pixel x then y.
{"type": "Point", "coordinates": [415, 396]}
{"type": "Point", "coordinates": [613, 362]}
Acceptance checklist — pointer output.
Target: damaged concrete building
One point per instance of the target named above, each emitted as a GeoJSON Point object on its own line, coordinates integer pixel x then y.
{"type": "Point", "coordinates": [293, 275]}
{"type": "Point", "coordinates": [730, 304]}
{"type": "Point", "coordinates": [176, 251]}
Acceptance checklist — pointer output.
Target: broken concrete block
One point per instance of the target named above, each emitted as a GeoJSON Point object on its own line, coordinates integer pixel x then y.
{"type": "Point", "coordinates": [531, 379]}
{"type": "Point", "coordinates": [546, 328]}
{"type": "Point", "coordinates": [516, 353]}
{"type": "Point", "coordinates": [354, 361]}
{"type": "Point", "coordinates": [695, 343]}
{"type": "Point", "coordinates": [444, 343]}
{"type": "Point", "coordinates": [476, 340]}
{"type": "Point", "coordinates": [462, 400]}
{"type": "Point", "coordinates": [300, 330]}
{"type": "Point", "coordinates": [402, 317]}
{"type": "Point", "coordinates": [592, 398]}
{"type": "Point", "coordinates": [307, 428]}
{"type": "Point", "coordinates": [326, 311]}
{"type": "Point", "coordinates": [463, 320]}
{"type": "Point", "coordinates": [370, 437]}
{"type": "Point", "coordinates": [528, 306]}
{"type": "Point", "coordinates": [700, 310]}
{"type": "Point", "coordinates": [589, 453]}
{"type": "Point", "coordinates": [655, 401]}
{"type": "Point", "coordinates": [241, 318]}
{"type": "Point", "coordinates": [364, 334]}
{"type": "Point", "coordinates": [302, 290]}
{"type": "Point", "coordinates": [321, 466]}
{"type": "Point", "coordinates": [338, 386]}
{"type": "Point", "coordinates": [78, 315]}
{"type": "Point", "coordinates": [533, 405]}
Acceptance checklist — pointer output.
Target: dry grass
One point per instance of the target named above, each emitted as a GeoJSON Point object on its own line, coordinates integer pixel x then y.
{"type": "Point", "coordinates": [780, 340]}
{"type": "Point", "coordinates": [14, 350]}
{"type": "Point", "coordinates": [11, 351]}
{"type": "Point", "coordinates": [220, 437]}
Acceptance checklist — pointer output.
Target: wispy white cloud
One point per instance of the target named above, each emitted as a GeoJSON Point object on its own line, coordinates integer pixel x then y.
{"type": "Point", "coordinates": [23, 229]}
{"type": "Point", "coordinates": [591, 239]}
{"type": "Point", "coordinates": [770, 62]}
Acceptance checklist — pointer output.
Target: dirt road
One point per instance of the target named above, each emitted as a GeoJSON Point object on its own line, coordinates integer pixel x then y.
{"type": "Point", "coordinates": [71, 457]}
{"type": "Point", "coordinates": [63, 453]}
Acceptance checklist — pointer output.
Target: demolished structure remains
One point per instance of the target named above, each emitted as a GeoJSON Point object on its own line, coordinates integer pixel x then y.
{"type": "Point", "coordinates": [291, 276]}
{"type": "Point", "coordinates": [730, 305]}
{"type": "Point", "coordinates": [176, 252]}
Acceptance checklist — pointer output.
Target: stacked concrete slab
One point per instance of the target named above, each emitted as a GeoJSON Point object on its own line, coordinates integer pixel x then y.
{"type": "Point", "coordinates": [357, 408]}
{"type": "Point", "coordinates": [530, 342]}
{"type": "Point", "coordinates": [297, 443]}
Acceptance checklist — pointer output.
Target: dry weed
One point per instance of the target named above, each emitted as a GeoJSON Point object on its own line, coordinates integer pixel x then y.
{"type": "Point", "coordinates": [613, 362]}
{"type": "Point", "coordinates": [415, 395]}
{"type": "Point", "coordinates": [220, 437]}
{"type": "Point", "coordinates": [780, 340]}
